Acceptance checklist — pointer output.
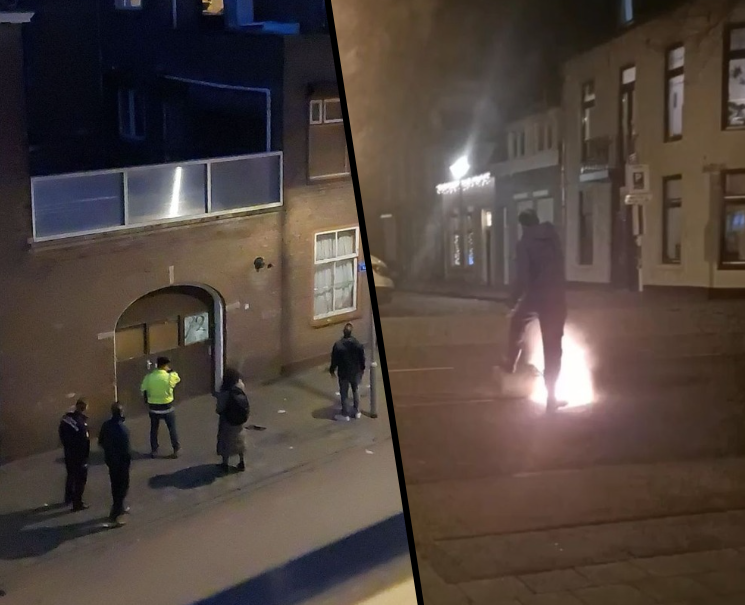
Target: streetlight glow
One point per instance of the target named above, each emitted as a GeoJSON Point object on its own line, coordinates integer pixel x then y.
{"type": "Point", "coordinates": [460, 168]}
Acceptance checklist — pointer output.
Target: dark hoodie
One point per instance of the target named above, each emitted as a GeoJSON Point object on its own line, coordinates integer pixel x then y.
{"type": "Point", "coordinates": [540, 275]}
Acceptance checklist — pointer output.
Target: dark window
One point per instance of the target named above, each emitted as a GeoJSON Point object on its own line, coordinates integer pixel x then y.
{"type": "Point", "coordinates": [540, 136]}
{"type": "Point", "coordinates": [674, 93]}
{"type": "Point", "coordinates": [128, 4]}
{"type": "Point", "coordinates": [587, 110]}
{"type": "Point", "coordinates": [734, 84]}
{"type": "Point", "coordinates": [327, 142]}
{"type": "Point", "coordinates": [163, 336]}
{"type": "Point", "coordinates": [628, 112]}
{"type": "Point", "coordinates": [733, 232]}
{"type": "Point", "coordinates": [549, 135]}
{"type": "Point", "coordinates": [672, 214]}
{"type": "Point", "coordinates": [130, 343]}
{"type": "Point", "coordinates": [131, 114]}
{"type": "Point", "coordinates": [586, 242]}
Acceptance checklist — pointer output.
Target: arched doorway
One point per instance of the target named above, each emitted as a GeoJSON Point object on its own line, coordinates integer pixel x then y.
{"type": "Point", "coordinates": [184, 323]}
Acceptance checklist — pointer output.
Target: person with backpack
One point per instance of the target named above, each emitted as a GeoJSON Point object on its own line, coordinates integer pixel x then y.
{"type": "Point", "coordinates": [233, 409]}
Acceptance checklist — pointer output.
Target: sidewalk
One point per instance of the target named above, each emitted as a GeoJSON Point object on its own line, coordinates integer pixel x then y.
{"type": "Point", "coordinates": [297, 411]}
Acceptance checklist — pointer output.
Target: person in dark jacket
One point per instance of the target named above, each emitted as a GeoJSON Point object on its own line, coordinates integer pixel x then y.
{"type": "Point", "coordinates": [233, 409]}
{"type": "Point", "coordinates": [114, 440]}
{"type": "Point", "coordinates": [348, 363]}
{"type": "Point", "coordinates": [76, 441]}
{"type": "Point", "coordinates": [539, 293]}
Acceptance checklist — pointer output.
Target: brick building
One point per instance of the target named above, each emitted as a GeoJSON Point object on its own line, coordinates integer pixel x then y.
{"type": "Point", "coordinates": [237, 246]}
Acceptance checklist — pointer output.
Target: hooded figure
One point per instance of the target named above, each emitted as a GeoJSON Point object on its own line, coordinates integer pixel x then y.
{"type": "Point", "coordinates": [539, 293]}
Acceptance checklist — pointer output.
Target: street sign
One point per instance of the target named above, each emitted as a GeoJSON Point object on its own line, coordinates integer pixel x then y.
{"type": "Point", "coordinates": [638, 199]}
{"type": "Point", "coordinates": [637, 178]}
{"type": "Point", "coordinates": [361, 267]}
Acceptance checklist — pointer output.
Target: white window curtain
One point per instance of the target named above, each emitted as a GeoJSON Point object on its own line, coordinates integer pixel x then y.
{"type": "Point", "coordinates": [335, 281]}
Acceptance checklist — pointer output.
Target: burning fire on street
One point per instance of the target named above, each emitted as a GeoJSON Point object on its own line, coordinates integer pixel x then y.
{"type": "Point", "coordinates": [575, 386]}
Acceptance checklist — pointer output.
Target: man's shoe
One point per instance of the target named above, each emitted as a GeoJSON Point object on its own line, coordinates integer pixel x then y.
{"type": "Point", "coordinates": [154, 454]}
{"type": "Point", "coordinates": [175, 454]}
{"type": "Point", "coordinates": [342, 418]}
{"type": "Point", "coordinates": [358, 415]}
{"type": "Point", "coordinates": [553, 405]}
{"type": "Point", "coordinates": [80, 507]}
{"type": "Point", "coordinates": [241, 467]}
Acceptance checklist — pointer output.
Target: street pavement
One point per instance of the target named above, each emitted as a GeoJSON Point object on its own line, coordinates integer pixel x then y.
{"type": "Point", "coordinates": [638, 498]}
{"type": "Point", "coordinates": [314, 489]}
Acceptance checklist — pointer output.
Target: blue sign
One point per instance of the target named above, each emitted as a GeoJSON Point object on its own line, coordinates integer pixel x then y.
{"type": "Point", "coordinates": [361, 267]}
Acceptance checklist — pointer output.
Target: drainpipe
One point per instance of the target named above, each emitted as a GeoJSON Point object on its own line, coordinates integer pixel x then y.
{"type": "Point", "coordinates": [265, 91]}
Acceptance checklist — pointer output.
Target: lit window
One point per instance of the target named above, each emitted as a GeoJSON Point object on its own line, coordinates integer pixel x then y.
{"type": "Point", "coordinates": [733, 234]}
{"type": "Point", "coordinates": [675, 88]}
{"type": "Point", "coordinates": [131, 115]}
{"type": "Point", "coordinates": [588, 110]}
{"type": "Point", "coordinates": [672, 209]}
{"type": "Point", "coordinates": [128, 4]}
{"type": "Point", "coordinates": [335, 279]}
{"type": "Point", "coordinates": [734, 112]}
{"type": "Point", "coordinates": [327, 140]}
{"type": "Point", "coordinates": [627, 11]}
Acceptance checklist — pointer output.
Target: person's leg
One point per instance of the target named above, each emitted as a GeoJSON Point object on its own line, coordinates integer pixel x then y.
{"type": "Point", "coordinates": [355, 384]}
{"type": "Point", "coordinates": [519, 322]}
{"type": "Point", "coordinates": [154, 426]}
{"type": "Point", "coordinates": [116, 498]}
{"type": "Point", "coordinates": [81, 478]}
{"type": "Point", "coordinates": [69, 481]}
{"type": "Point", "coordinates": [344, 393]}
{"type": "Point", "coordinates": [552, 332]}
{"type": "Point", "coordinates": [170, 419]}
{"type": "Point", "coordinates": [125, 485]}
{"type": "Point", "coordinates": [241, 462]}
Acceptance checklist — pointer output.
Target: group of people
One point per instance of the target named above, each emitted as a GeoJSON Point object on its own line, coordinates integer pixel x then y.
{"type": "Point", "coordinates": [158, 386]}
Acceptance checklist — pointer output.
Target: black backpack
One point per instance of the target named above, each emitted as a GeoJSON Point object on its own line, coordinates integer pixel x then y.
{"type": "Point", "coordinates": [236, 414]}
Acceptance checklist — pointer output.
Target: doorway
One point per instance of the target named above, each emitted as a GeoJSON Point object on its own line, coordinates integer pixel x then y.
{"type": "Point", "coordinates": [183, 323]}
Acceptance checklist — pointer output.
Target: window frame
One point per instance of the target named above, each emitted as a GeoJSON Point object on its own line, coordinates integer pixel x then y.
{"type": "Point", "coordinates": [126, 5]}
{"type": "Point", "coordinates": [670, 74]}
{"type": "Point", "coordinates": [588, 98]}
{"type": "Point", "coordinates": [627, 140]}
{"type": "Point", "coordinates": [316, 263]}
{"type": "Point", "coordinates": [581, 205]}
{"type": "Point", "coordinates": [727, 201]}
{"type": "Point", "coordinates": [320, 104]}
{"type": "Point", "coordinates": [729, 55]}
{"type": "Point", "coordinates": [131, 96]}
{"type": "Point", "coordinates": [669, 203]}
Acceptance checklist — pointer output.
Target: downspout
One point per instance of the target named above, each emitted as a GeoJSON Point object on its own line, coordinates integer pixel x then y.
{"type": "Point", "coordinates": [265, 91]}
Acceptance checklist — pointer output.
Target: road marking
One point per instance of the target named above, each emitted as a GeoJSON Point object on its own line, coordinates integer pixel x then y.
{"type": "Point", "coordinates": [412, 370]}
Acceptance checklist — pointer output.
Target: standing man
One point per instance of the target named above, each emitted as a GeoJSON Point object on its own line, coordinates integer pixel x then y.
{"type": "Point", "coordinates": [114, 441]}
{"type": "Point", "coordinates": [76, 441]}
{"type": "Point", "coordinates": [539, 293]}
{"type": "Point", "coordinates": [348, 362]}
{"type": "Point", "coordinates": [157, 389]}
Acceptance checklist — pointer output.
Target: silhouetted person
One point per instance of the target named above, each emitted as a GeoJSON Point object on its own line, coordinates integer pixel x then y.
{"type": "Point", "coordinates": [539, 293]}
{"type": "Point", "coordinates": [75, 438]}
{"type": "Point", "coordinates": [233, 409]}
{"type": "Point", "coordinates": [348, 363]}
{"type": "Point", "coordinates": [114, 440]}
{"type": "Point", "coordinates": [157, 389]}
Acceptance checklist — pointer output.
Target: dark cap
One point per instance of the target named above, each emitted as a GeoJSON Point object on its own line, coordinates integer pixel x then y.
{"type": "Point", "coordinates": [163, 362]}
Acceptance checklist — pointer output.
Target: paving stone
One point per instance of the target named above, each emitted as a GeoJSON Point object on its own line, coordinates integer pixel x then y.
{"type": "Point", "coordinates": [554, 598]}
{"type": "Point", "coordinates": [434, 589]}
{"type": "Point", "coordinates": [555, 581]}
{"type": "Point", "coordinates": [486, 592]}
{"type": "Point", "coordinates": [671, 589]}
{"type": "Point", "coordinates": [724, 582]}
{"type": "Point", "coordinates": [612, 573]}
{"type": "Point", "coordinates": [692, 563]}
{"type": "Point", "coordinates": [613, 595]}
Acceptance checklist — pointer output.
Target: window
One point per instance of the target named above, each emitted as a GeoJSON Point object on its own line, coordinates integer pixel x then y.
{"type": "Point", "coordinates": [511, 145]}
{"type": "Point", "coordinates": [549, 135]}
{"type": "Point", "coordinates": [470, 241]}
{"type": "Point", "coordinates": [586, 244]}
{"type": "Point", "coordinates": [539, 137]}
{"type": "Point", "coordinates": [131, 115]}
{"type": "Point", "coordinates": [213, 7]}
{"type": "Point", "coordinates": [456, 253]}
{"type": "Point", "coordinates": [588, 109]}
{"type": "Point", "coordinates": [628, 112]}
{"type": "Point", "coordinates": [521, 143]}
{"type": "Point", "coordinates": [163, 336]}
{"type": "Point", "coordinates": [672, 203]}
{"type": "Point", "coordinates": [327, 141]}
{"type": "Point", "coordinates": [627, 11]}
{"type": "Point", "coordinates": [734, 111]}
{"type": "Point", "coordinates": [335, 279]}
{"type": "Point", "coordinates": [733, 233]}
{"type": "Point", "coordinates": [130, 343]}
{"type": "Point", "coordinates": [674, 93]}
{"type": "Point", "coordinates": [128, 4]}
{"type": "Point", "coordinates": [196, 328]}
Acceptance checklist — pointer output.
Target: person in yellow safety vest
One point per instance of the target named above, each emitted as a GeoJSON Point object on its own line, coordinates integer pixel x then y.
{"type": "Point", "coordinates": [157, 389]}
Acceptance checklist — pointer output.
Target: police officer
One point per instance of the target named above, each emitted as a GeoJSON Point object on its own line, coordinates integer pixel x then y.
{"type": "Point", "coordinates": [157, 389]}
{"type": "Point", "coordinates": [115, 443]}
{"type": "Point", "coordinates": [75, 438]}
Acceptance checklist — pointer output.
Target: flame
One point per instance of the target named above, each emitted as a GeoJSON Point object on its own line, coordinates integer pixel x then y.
{"type": "Point", "coordinates": [575, 385]}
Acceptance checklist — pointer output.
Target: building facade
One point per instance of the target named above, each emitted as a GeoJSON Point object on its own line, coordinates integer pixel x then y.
{"type": "Point", "coordinates": [236, 246]}
{"type": "Point", "coordinates": [654, 133]}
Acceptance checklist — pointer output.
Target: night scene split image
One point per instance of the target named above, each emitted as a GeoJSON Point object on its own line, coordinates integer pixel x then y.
{"type": "Point", "coordinates": [193, 408]}
{"type": "Point", "coordinates": [372, 302]}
